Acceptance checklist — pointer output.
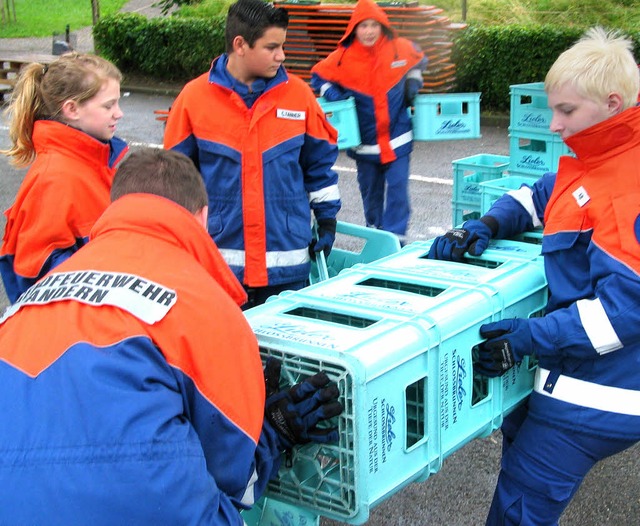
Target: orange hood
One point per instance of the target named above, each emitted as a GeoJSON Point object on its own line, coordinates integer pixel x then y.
{"type": "Point", "coordinates": [364, 10]}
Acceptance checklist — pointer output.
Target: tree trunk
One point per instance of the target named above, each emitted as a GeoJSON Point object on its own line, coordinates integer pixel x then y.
{"type": "Point", "coordinates": [95, 11]}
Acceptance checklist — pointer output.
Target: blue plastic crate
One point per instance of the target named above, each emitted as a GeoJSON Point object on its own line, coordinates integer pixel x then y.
{"type": "Point", "coordinates": [354, 244]}
{"type": "Point", "coordinates": [342, 115]}
{"type": "Point", "coordinates": [411, 397]}
{"type": "Point", "coordinates": [446, 116]}
{"type": "Point", "coordinates": [535, 153]}
{"type": "Point", "coordinates": [529, 108]}
{"type": "Point", "coordinates": [492, 190]}
{"type": "Point", "coordinates": [468, 173]}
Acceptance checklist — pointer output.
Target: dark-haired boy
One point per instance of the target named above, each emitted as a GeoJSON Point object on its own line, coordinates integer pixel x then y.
{"type": "Point", "coordinates": [265, 151]}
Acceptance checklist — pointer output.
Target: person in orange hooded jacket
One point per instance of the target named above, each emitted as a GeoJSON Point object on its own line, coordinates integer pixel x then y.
{"type": "Point", "coordinates": [63, 121]}
{"type": "Point", "coordinates": [383, 73]}
{"type": "Point", "coordinates": [141, 398]}
{"type": "Point", "coordinates": [266, 155]}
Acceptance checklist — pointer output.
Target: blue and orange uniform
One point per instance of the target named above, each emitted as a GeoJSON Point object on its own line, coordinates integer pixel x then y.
{"type": "Point", "coordinates": [63, 193]}
{"type": "Point", "coordinates": [586, 400]}
{"type": "Point", "coordinates": [383, 79]}
{"type": "Point", "coordinates": [139, 398]}
{"type": "Point", "coordinates": [266, 156]}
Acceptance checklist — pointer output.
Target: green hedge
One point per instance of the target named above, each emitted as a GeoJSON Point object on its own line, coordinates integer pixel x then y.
{"type": "Point", "coordinates": [164, 47]}
{"type": "Point", "coordinates": [488, 58]}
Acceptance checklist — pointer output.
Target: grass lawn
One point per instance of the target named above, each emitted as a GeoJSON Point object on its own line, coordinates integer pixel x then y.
{"type": "Point", "coordinates": [41, 18]}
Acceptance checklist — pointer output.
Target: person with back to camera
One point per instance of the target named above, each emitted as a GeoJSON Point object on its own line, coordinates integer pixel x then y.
{"type": "Point", "coordinates": [585, 405]}
{"type": "Point", "coordinates": [265, 151]}
{"type": "Point", "coordinates": [140, 398]}
{"type": "Point", "coordinates": [383, 73]}
{"type": "Point", "coordinates": [63, 120]}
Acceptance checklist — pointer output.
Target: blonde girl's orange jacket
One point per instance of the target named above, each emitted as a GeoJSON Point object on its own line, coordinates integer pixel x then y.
{"type": "Point", "coordinates": [63, 193]}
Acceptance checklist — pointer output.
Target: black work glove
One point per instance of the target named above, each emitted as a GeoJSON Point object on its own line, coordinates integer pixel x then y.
{"type": "Point", "coordinates": [473, 237]}
{"type": "Point", "coordinates": [326, 238]}
{"type": "Point", "coordinates": [411, 88]}
{"type": "Point", "coordinates": [508, 341]}
{"type": "Point", "coordinates": [295, 413]}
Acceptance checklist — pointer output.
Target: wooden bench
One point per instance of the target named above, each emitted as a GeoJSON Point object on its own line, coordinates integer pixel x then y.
{"type": "Point", "coordinates": [10, 64]}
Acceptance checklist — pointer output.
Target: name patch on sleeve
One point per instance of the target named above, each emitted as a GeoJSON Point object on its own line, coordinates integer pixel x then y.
{"type": "Point", "coordinates": [292, 115]}
{"type": "Point", "coordinates": [144, 299]}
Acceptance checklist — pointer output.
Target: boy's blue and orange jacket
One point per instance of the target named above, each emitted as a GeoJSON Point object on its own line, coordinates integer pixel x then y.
{"type": "Point", "coordinates": [376, 77]}
{"type": "Point", "coordinates": [265, 168]}
{"type": "Point", "coordinates": [131, 386]}
{"type": "Point", "coordinates": [63, 193]}
{"type": "Point", "coordinates": [591, 246]}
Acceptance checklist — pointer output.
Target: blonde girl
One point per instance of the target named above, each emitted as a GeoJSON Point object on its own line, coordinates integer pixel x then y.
{"type": "Point", "coordinates": [62, 121]}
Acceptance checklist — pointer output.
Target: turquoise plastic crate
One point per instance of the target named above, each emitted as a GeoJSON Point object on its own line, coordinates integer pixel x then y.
{"type": "Point", "coordinates": [468, 173]}
{"type": "Point", "coordinates": [446, 116]}
{"type": "Point", "coordinates": [397, 294]}
{"type": "Point", "coordinates": [411, 397]}
{"type": "Point", "coordinates": [534, 153]}
{"type": "Point", "coordinates": [342, 115]}
{"type": "Point", "coordinates": [529, 108]}
{"type": "Point", "coordinates": [354, 244]}
{"type": "Point", "coordinates": [499, 258]}
{"type": "Point", "coordinates": [492, 190]}
{"type": "Point", "coordinates": [272, 512]}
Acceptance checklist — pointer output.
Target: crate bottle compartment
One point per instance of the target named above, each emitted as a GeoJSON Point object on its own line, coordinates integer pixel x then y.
{"type": "Point", "coordinates": [341, 114]}
{"type": "Point", "coordinates": [446, 116]}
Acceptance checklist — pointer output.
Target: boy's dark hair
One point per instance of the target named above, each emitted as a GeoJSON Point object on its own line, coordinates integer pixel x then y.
{"type": "Point", "coordinates": [166, 173]}
{"type": "Point", "coordinates": [250, 19]}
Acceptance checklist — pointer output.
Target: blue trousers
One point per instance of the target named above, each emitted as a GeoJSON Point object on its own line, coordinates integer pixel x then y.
{"type": "Point", "coordinates": [543, 466]}
{"type": "Point", "coordinates": [387, 210]}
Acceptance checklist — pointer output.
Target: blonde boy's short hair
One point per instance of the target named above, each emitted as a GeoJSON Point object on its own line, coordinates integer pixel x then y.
{"type": "Point", "coordinates": [598, 64]}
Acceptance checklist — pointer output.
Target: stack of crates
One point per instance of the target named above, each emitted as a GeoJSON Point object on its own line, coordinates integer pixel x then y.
{"type": "Point", "coordinates": [446, 116]}
{"type": "Point", "coordinates": [533, 149]}
{"type": "Point", "coordinates": [397, 336]}
{"type": "Point", "coordinates": [468, 173]}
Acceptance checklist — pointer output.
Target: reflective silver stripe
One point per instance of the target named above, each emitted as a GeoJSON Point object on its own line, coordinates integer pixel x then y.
{"type": "Point", "coordinates": [286, 258]}
{"type": "Point", "coordinates": [329, 193]}
{"type": "Point", "coordinates": [324, 88]}
{"type": "Point", "coordinates": [596, 324]}
{"type": "Point", "coordinates": [414, 74]}
{"type": "Point", "coordinates": [524, 196]}
{"type": "Point", "coordinates": [371, 149]}
{"type": "Point", "coordinates": [249, 497]}
{"type": "Point", "coordinates": [289, 258]}
{"type": "Point", "coordinates": [588, 394]}
{"type": "Point", "coordinates": [234, 258]}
